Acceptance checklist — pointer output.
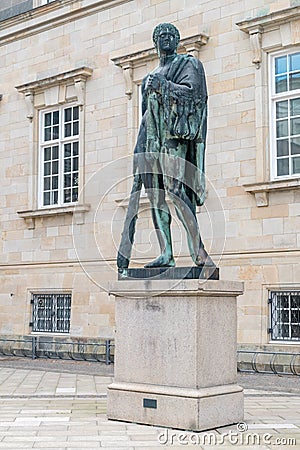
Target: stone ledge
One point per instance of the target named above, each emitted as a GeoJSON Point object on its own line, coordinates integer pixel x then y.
{"type": "Point", "coordinates": [76, 77]}
{"type": "Point", "coordinates": [176, 412]}
{"type": "Point", "coordinates": [77, 210]}
{"type": "Point", "coordinates": [257, 26]}
{"type": "Point", "coordinates": [188, 44]}
{"type": "Point", "coordinates": [175, 390]}
{"type": "Point", "coordinates": [53, 14]}
{"type": "Point", "coordinates": [123, 201]}
{"type": "Point", "coordinates": [261, 190]}
{"type": "Point", "coordinates": [270, 21]}
{"type": "Point", "coordinates": [71, 76]}
{"type": "Point", "coordinates": [187, 288]}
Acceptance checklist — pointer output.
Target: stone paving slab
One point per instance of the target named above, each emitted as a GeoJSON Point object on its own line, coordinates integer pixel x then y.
{"type": "Point", "coordinates": [58, 410]}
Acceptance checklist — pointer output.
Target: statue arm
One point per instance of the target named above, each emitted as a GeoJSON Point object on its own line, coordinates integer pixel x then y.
{"type": "Point", "coordinates": [187, 96]}
{"type": "Point", "coordinates": [144, 97]}
{"type": "Point", "coordinates": [189, 82]}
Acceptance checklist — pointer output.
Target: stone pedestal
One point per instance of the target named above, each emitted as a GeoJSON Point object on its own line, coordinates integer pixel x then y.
{"type": "Point", "coordinates": [175, 356]}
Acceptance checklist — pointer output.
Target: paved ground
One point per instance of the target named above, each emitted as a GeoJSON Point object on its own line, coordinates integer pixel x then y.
{"type": "Point", "coordinates": [62, 405]}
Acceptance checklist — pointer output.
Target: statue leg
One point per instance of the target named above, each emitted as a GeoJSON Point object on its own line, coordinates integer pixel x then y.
{"type": "Point", "coordinates": [173, 164]}
{"type": "Point", "coordinates": [161, 219]}
{"type": "Point", "coordinates": [185, 211]}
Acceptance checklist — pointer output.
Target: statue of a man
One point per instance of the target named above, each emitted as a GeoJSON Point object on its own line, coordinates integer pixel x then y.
{"type": "Point", "coordinates": [169, 154]}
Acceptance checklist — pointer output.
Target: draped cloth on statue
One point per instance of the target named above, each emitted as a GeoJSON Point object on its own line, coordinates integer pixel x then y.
{"type": "Point", "coordinates": [176, 116]}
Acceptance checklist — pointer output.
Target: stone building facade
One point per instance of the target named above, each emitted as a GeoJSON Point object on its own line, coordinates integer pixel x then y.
{"type": "Point", "coordinates": [70, 84]}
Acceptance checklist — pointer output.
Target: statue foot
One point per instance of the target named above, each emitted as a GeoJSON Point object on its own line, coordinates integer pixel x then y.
{"type": "Point", "coordinates": [203, 258]}
{"type": "Point", "coordinates": [162, 261]}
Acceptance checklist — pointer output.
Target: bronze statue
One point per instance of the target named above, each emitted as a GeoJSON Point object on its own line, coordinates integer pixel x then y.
{"type": "Point", "coordinates": [170, 149]}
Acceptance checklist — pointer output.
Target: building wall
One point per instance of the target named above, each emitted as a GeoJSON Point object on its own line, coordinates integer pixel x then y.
{"type": "Point", "coordinates": [254, 244]}
{"type": "Point", "coordinates": [11, 8]}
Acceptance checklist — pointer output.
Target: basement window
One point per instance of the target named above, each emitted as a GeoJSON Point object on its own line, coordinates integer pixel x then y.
{"type": "Point", "coordinates": [51, 312]}
{"type": "Point", "coordinates": [284, 315]}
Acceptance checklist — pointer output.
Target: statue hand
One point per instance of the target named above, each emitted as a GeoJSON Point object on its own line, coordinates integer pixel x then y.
{"type": "Point", "coordinates": [155, 82]}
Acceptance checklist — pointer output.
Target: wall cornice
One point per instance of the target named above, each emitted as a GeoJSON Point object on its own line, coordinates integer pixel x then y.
{"type": "Point", "coordinates": [270, 21]}
{"type": "Point", "coordinates": [261, 190]}
{"type": "Point", "coordinates": [52, 15]}
{"type": "Point", "coordinates": [77, 77]}
{"type": "Point", "coordinates": [72, 76]}
{"type": "Point", "coordinates": [77, 211]}
{"type": "Point", "coordinates": [189, 44]}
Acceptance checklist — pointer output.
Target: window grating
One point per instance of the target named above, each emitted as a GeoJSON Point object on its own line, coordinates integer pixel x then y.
{"type": "Point", "coordinates": [51, 313]}
{"type": "Point", "coordinates": [285, 315]}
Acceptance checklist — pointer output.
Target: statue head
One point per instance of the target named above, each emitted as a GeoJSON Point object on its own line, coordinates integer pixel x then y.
{"type": "Point", "coordinates": [163, 29]}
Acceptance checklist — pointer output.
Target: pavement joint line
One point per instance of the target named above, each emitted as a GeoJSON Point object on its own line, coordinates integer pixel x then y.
{"type": "Point", "coordinates": [275, 394]}
{"type": "Point", "coordinates": [74, 395]}
{"type": "Point", "coordinates": [50, 396]}
{"type": "Point", "coordinates": [257, 426]}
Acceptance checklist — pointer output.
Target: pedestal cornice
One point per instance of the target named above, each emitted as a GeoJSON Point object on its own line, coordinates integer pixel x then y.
{"type": "Point", "coordinates": [187, 288]}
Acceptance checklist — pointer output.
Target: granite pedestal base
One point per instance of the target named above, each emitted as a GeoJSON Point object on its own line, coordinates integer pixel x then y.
{"type": "Point", "coordinates": [175, 356]}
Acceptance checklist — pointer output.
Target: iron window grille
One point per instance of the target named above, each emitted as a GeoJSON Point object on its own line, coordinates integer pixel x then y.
{"type": "Point", "coordinates": [285, 315]}
{"type": "Point", "coordinates": [51, 313]}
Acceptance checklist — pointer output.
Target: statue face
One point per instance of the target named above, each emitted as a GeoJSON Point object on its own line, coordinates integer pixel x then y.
{"type": "Point", "coordinates": [166, 41]}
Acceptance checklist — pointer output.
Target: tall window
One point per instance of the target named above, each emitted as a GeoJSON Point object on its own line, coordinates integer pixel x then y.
{"type": "Point", "coordinates": [59, 156]}
{"type": "Point", "coordinates": [37, 3]}
{"type": "Point", "coordinates": [285, 315]}
{"type": "Point", "coordinates": [51, 313]}
{"type": "Point", "coordinates": [285, 115]}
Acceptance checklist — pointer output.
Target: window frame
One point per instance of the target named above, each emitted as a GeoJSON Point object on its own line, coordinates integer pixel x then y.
{"type": "Point", "coordinates": [266, 37]}
{"type": "Point", "coordinates": [42, 2]}
{"type": "Point", "coordinates": [63, 88]}
{"type": "Point", "coordinates": [60, 142]}
{"type": "Point", "coordinates": [275, 318]}
{"type": "Point", "coordinates": [273, 99]}
{"type": "Point", "coordinates": [35, 297]}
